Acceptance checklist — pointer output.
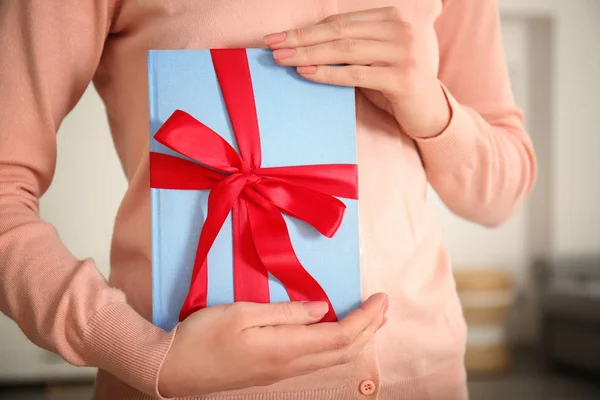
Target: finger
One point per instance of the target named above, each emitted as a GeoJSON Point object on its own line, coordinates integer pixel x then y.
{"type": "Point", "coordinates": [343, 51]}
{"type": "Point", "coordinates": [255, 315]}
{"type": "Point", "coordinates": [323, 337]}
{"type": "Point", "coordinates": [368, 77]}
{"type": "Point", "coordinates": [389, 13]}
{"type": "Point", "coordinates": [315, 361]}
{"type": "Point", "coordinates": [340, 29]}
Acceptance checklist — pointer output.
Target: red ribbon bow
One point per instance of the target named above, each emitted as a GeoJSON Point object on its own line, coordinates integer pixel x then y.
{"type": "Point", "coordinates": [256, 196]}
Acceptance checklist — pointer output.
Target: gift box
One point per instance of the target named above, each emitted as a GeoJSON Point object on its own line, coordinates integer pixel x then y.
{"type": "Point", "coordinates": [253, 184]}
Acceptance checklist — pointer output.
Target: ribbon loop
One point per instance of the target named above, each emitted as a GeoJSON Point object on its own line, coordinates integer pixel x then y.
{"type": "Point", "coordinates": [187, 136]}
{"type": "Point", "coordinates": [321, 211]}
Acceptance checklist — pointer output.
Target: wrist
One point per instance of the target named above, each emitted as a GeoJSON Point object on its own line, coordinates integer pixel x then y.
{"type": "Point", "coordinates": [180, 374]}
{"type": "Point", "coordinates": [167, 385]}
{"type": "Point", "coordinates": [427, 114]}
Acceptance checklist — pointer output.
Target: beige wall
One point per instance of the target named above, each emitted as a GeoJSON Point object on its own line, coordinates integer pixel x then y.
{"type": "Point", "coordinates": [84, 197]}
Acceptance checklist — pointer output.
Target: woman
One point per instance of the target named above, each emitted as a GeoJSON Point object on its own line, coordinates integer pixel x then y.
{"type": "Point", "coordinates": [434, 106]}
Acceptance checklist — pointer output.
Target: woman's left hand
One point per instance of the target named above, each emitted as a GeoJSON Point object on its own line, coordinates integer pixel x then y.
{"type": "Point", "coordinates": [377, 51]}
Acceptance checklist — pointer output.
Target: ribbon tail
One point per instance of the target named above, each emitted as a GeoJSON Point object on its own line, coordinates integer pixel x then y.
{"type": "Point", "coordinates": [251, 280]}
{"type": "Point", "coordinates": [220, 202]}
{"type": "Point", "coordinates": [276, 252]}
{"type": "Point", "coordinates": [196, 298]}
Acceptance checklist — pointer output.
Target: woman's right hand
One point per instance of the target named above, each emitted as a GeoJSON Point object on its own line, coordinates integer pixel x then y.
{"type": "Point", "coordinates": [247, 344]}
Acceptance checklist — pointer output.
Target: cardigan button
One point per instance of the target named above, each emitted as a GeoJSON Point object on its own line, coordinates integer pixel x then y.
{"type": "Point", "coordinates": [367, 387]}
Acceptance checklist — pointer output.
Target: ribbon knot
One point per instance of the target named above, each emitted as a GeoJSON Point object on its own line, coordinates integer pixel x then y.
{"type": "Point", "coordinates": [261, 243]}
{"type": "Point", "coordinates": [252, 179]}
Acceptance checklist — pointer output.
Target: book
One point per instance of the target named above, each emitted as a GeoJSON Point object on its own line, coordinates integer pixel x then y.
{"type": "Point", "coordinates": [300, 123]}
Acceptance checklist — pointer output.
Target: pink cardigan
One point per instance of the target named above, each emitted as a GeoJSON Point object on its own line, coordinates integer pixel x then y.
{"type": "Point", "coordinates": [482, 166]}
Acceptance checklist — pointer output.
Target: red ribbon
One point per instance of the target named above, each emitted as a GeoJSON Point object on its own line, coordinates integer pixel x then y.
{"type": "Point", "coordinates": [256, 196]}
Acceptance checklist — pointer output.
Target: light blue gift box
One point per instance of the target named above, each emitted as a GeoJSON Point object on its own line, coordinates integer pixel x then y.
{"type": "Point", "coordinates": [301, 123]}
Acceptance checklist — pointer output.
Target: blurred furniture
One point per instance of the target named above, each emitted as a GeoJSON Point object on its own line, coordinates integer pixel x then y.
{"type": "Point", "coordinates": [486, 296]}
{"type": "Point", "coordinates": [570, 311]}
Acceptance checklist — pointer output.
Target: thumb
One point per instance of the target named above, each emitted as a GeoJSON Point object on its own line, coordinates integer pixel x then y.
{"type": "Point", "coordinates": [290, 313]}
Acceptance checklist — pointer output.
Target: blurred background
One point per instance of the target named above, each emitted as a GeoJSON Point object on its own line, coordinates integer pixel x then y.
{"type": "Point", "coordinates": [530, 289]}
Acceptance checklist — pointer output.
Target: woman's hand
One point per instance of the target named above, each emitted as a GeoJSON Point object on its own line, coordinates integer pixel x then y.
{"type": "Point", "coordinates": [246, 344]}
{"type": "Point", "coordinates": [377, 51]}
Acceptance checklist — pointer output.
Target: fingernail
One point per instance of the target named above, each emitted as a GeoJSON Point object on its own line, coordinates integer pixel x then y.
{"type": "Point", "coordinates": [386, 304]}
{"type": "Point", "coordinates": [383, 322]}
{"type": "Point", "coordinates": [274, 38]}
{"type": "Point", "coordinates": [316, 309]}
{"type": "Point", "coordinates": [307, 70]}
{"type": "Point", "coordinates": [283, 53]}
